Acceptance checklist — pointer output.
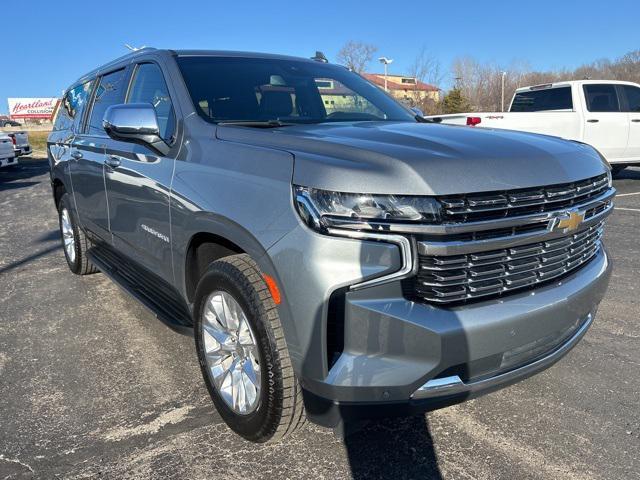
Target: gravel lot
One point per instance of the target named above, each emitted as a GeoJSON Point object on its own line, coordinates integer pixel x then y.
{"type": "Point", "coordinates": [92, 385]}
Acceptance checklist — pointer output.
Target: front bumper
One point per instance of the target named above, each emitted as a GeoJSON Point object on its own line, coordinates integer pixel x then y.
{"type": "Point", "coordinates": [400, 357]}
{"type": "Point", "coordinates": [453, 385]}
{"type": "Point", "coordinates": [436, 393]}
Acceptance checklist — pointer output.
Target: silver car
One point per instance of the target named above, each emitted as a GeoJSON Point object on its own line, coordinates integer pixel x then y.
{"type": "Point", "coordinates": [335, 256]}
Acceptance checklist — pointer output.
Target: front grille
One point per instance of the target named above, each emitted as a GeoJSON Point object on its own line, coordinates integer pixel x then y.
{"type": "Point", "coordinates": [463, 278]}
{"type": "Point", "coordinates": [502, 204]}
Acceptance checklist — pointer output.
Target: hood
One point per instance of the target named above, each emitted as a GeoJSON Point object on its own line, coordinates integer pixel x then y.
{"type": "Point", "coordinates": [422, 158]}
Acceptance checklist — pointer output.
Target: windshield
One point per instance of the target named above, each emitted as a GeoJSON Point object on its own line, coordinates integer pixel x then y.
{"type": "Point", "coordinates": [228, 89]}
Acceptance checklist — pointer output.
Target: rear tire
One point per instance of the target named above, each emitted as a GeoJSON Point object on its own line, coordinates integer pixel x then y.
{"type": "Point", "coordinates": [617, 169]}
{"type": "Point", "coordinates": [277, 409]}
{"type": "Point", "coordinates": [74, 242]}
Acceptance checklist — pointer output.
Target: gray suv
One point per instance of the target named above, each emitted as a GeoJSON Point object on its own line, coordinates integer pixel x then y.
{"type": "Point", "coordinates": [335, 257]}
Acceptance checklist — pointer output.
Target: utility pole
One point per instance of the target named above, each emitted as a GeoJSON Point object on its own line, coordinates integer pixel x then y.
{"type": "Point", "coordinates": [385, 61]}
{"type": "Point", "coordinates": [504, 74]}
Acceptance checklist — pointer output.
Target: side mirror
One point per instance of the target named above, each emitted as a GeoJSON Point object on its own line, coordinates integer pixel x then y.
{"type": "Point", "coordinates": [136, 123]}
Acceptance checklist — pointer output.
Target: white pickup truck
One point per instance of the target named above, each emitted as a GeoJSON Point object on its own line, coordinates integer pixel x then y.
{"type": "Point", "coordinates": [604, 114]}
{"type": "Point", "coordinates": [7, 154]}
{"type": "Point", "coordinates": [21, 144]}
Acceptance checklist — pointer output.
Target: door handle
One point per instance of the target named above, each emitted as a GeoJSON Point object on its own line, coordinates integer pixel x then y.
{"type": "Point", "coordinates": [76, 154]}
{"type": "Point", "coordinates": [112, 161]}
{"type": "Point", "coordinates": [593, 120]}
{"type": "Point", "coordinates": [635, 120]}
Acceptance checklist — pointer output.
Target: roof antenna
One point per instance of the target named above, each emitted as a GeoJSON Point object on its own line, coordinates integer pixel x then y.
{"type": "Point", "coordinates": [134, 49]}
{"type": "Point", "coordinates": [319, 57]}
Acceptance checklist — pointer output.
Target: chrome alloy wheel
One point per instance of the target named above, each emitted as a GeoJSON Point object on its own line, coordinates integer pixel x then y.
{"type": "Point", "coordinates": [68, 237]}
{"type": "Point", "coordinates": [231, 352]}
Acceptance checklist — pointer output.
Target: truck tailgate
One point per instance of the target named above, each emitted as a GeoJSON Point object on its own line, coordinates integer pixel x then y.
{"type": "Point", "coordinates": [22, 139]}
{"type": "Point", "coordinates": [6, 147]}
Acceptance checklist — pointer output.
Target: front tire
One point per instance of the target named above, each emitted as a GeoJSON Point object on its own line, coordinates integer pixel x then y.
{"type": "Point", "coordinates": [74, 242]}
{"type": "Point", "coordinates": [242, 352]}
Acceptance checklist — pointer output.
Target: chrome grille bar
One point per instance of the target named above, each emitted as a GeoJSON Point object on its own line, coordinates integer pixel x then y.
{"type": "Point", "coordinates": [510, 239]}
{"type": "Point", "coordinates": [460, 226]}
{"type": "Point", "coordinates": [495, 205]}
{"type": "Point", "coordinates": [466, 277]}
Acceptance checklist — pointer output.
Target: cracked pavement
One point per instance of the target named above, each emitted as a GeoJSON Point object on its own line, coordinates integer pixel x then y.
{"type": "Point", "coordinates": [92, 385]}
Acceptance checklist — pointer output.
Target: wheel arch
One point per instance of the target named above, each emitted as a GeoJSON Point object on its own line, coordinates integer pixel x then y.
{"type": "Point", "coordinates": [203, 249]}
{"type": "Point", "coordinates": [59, 189]}
{"type": "Point", "coordinates": [211, 237]}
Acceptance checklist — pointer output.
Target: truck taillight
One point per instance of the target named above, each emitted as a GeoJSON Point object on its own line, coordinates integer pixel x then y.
{"type": "Point", "coordinates": [473, 121]}
{"type": "Point", "coordinates": [13, 139]}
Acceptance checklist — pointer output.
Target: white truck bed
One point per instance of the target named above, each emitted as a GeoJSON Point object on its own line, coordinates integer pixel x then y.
{"type": "Point", "coordinates": [601, 113]}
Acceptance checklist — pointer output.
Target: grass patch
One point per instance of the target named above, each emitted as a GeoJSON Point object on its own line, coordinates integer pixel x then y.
{"type": "Point", "coordinates": [38, 140]}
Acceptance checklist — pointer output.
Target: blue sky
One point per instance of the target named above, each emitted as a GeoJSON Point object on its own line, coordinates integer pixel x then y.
{"type": "Point", "coordinates": [59, 41]}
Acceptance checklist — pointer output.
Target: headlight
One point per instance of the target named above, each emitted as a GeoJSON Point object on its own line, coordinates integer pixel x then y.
{"type": "Point", "coordinates": [322, 209]}
{"type": "Point", "coordinates": [609, 178]}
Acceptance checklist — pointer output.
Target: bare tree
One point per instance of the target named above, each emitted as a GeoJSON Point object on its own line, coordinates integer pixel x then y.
{"type": "Point", "coordinates": [480, 82]}
{"type": "Point", "coordinates": [426, 68]}
{"type": "Point", "coordinates": [356, 55]}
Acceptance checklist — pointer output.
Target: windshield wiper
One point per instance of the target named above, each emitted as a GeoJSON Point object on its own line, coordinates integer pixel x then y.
{"type": "Point", "coordinates": [421, 119]}
{"type": "Point", "coordinates": [257, 123]}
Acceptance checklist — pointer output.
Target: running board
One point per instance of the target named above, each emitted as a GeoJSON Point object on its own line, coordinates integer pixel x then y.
{"type": "Point", "coordinates": [154, 293]}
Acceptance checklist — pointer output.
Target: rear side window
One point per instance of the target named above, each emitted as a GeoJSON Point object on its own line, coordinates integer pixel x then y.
{"type": "Point", "coordinates": [110, 91]}
{"type": "Point", "coordinates": [541, 100]}
{"type": "Point", "coordinates": [149, 87]}
{"type": "Point", "coordinates": [601, 98]}
{"type": "Point", "coordinates": [633, 97]}
{"type": "Point", "coordinates": [73, 105]}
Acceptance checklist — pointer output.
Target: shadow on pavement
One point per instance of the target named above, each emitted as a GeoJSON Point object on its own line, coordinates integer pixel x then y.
{"type": "Point", "coordinates": [30, 258]}
{"type": "Point", "coordinates": [628, 174]}
{"type": "Point", "coordinates": [53, 235]}
{"type": "Point", "coordinates": [393, 448]}
{"type": "Point", "coordinates": [12, 178]}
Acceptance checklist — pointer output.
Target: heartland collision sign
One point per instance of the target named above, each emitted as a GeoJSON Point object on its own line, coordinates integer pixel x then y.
{"type": "Point", "coordinates": [32, 107]}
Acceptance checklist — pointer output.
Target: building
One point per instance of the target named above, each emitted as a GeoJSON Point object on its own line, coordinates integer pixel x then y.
{"type": "Point", "coordinates": [410, 91]}
{"type": "Point", "coordinates": [406, 89]}
{"type": "Point", "coordinates": [338, 98]}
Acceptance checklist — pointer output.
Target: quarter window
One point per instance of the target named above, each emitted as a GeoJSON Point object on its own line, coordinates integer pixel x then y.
{"type": "Point", "coordinates": [110, 91]}
{"type": "Point", "coordinates": [601, 98]}
{"type": "Point", "coordinates": [149, 87]}
{"type": "Point", "coordinates": [72, 107]}
{"type": "Point", "coordinates": [633, 97]}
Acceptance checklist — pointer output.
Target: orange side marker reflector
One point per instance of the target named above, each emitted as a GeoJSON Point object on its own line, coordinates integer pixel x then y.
{"type": "Point", "coordinates": [273, 288]}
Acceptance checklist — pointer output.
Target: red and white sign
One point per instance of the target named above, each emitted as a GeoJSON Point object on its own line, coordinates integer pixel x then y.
{"type": "Point", "coordinates": [32, 107]}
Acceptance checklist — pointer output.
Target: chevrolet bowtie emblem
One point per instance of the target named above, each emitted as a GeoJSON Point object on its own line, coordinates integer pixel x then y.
{"type": "Point", "coordinates": [570, 221]}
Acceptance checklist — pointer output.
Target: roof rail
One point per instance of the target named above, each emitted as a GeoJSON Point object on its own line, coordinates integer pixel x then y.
{"type": "Point", "coordinates": [114, 61]}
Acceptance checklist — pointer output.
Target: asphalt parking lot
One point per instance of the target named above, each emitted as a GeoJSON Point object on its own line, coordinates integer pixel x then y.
{"type": "Point", "coordinates": [91, 384]}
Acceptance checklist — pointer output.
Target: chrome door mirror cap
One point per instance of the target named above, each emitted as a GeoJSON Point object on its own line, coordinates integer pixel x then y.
{"type": "Point", "coordinates": [134, 122]}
